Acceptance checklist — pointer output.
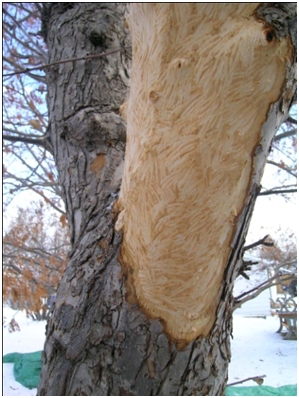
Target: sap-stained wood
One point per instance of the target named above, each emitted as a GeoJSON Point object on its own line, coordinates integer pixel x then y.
{"type": "Point", "coordinates": [200, 93]}
{"type": "Point", "coordinates": [98, 163]}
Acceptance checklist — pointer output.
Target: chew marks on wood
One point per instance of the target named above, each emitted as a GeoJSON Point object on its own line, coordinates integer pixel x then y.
{"type": "Point", "coordinates": [203, 78]}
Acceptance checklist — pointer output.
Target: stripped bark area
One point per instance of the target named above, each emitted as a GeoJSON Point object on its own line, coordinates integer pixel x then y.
{"type": "Point", "coordinates": [203, 79]}
{"type": "Point", "coordinates": [102, 337]}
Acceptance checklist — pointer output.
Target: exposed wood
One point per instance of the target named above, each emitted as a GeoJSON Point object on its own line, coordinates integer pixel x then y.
{"type": "Point", "coordinates": [203, 80]}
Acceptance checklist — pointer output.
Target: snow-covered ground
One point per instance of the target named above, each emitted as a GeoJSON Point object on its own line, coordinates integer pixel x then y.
{"type": "Point", "coordinates": [30, 338]}
{"type": "Point", "coordinates": [256, 350]}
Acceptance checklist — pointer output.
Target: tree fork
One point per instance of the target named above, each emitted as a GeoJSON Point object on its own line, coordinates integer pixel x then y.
{"type": "Point", "coordinates": [99, 340]}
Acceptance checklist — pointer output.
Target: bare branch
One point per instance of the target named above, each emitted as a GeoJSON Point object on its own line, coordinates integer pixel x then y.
{"type": "Point", "coordinates": [48, 201]}
{"type": "Point", "coordinates": [27, 70]}
{"type": "Point", "coordinates": [38, 50]}
{"type": "Point", "coordinates": [276, 192]}
{"type": "Point", "coordinates": [257, 290]}
{"type": "Point", "coordinates": [255, 378]}
{"type": "Point", "coordinates": [39, 78]}
{"type": "Point", "coordinates": [246, 266]}
{"type": "Point", "coordinates": [43, 142]}
{"type": "Point", "coordinates": [285, 168]}
{"type": "Point", "coordinates": [290, 119]}
{"type": "Point", "coordinates": [31, 105]}
{"type": "Point", "coordinates": [40, 161]}
{"type": "Point", "coordinates": [33, 170]}
{"type": "Point", "coordinates": [27, 184]}
{"type": "Point", "coordinates": [285, 134]}
{"type": "Point", "coordinates": [14, 267]}
{"type": "Point", "coordinates": [34, 250]}
{"type": "Point", "coordinates": [20, 134]}
{"type": "Point", "coordinates": [18, 257]}
{"type": "Point", "coordinates": [259, 242]}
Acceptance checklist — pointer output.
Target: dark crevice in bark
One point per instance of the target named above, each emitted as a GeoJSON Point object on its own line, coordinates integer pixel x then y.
{"type": "Point", "coordinates": [282, 17]}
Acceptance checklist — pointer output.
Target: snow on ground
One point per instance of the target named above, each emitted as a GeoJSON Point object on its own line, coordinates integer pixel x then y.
{"type": "Point", "coordinates": [30, 338]}
{"type": "Point", "coordinates": [256, 350]}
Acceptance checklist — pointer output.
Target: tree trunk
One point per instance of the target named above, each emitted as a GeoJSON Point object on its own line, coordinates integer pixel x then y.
{"type": "Point", "coordinates": [112, 332]}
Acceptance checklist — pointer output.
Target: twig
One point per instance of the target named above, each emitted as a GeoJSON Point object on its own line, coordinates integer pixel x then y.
{"type": "Point", "coordinates": [246, 266]}
{"type": "Point", "coordinates": [287, 169]}
{"type": "Point", "coordinates": [28, 70]}
{"type": "Point", "coordinates": [257, 290]}
{"type": "Point", "coordinates": [259, 242]}
{"type": "Point", "coordinates": [248, 378]}
{"type": "Point", "coordinates": [261, 285]}
{"type": "Point", "coordinates": [273, 192]}
{"type": "Point", "coordinates": [36, 141]}
{"type": "Point", "coordinates": [290, 119]}
{"type": "Point", "coordinates": [285, 134]}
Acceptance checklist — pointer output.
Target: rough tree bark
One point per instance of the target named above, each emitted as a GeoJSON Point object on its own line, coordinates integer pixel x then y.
{"type": "Point", "coordinates": [102, 338]}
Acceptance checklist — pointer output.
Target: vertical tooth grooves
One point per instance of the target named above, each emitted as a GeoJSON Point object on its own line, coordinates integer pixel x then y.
{"type": "Point", "coordinates": [203, 79]}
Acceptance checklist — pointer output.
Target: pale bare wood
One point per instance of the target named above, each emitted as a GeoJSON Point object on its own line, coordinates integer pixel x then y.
{"type": "Point", "coordinates": [199, 97]}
